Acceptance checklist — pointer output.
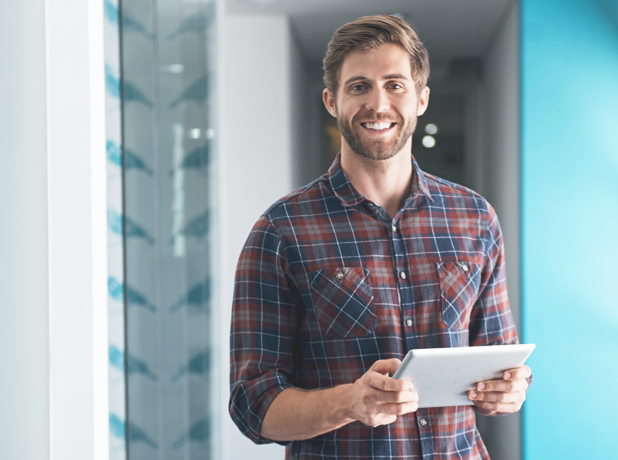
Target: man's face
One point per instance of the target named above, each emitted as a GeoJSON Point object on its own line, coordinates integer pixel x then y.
{"type": "Point", "coordinates": [377, 104]}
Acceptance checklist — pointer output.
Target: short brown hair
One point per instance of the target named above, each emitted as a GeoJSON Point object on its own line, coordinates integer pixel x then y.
{"type": "Point", "coordinates": [369, 32]}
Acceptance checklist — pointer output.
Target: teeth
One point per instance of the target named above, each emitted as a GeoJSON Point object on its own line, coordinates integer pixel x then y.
{"type": "Point", "coordinates": [377, 126]}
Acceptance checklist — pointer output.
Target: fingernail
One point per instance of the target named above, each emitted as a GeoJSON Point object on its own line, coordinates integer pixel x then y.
{"type": "Point", "coordinates": [409, 386]}
{"type": "Point", "coordinates": [480, 386]}
{"type": "Point", "coordinates": [472, 395]}
{"type": "Point", "coordinates": [507, 375]}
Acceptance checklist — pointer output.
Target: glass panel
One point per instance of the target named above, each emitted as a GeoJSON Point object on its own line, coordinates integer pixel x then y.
{"type": "Point", "coordinates": [115, 243]}
{"type": "Point", "coordinates": [169, 133]}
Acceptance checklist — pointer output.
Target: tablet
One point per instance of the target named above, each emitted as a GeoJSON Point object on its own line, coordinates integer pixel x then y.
{"type": "Point", "coordinates": [443, 376]}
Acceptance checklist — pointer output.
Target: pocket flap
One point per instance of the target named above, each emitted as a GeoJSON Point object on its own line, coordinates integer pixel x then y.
{"type": "Point", "coordinates": [343, 302]}
{"type": "Point", "coordinates": [459, 285]}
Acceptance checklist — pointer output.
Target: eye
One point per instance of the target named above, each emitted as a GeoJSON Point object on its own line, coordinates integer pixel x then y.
{"type": "Point", "coordinates": [358, 87]}
{"type": "Point", "coordinates": [396, 86]}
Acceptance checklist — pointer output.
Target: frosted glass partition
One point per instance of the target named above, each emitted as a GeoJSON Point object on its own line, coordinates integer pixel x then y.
{"type": "Point", "coordinates": [168, 143]}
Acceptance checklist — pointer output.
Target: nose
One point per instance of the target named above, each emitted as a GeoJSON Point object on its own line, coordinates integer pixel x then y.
{"type": "Point", "coordinates": [378, 100]}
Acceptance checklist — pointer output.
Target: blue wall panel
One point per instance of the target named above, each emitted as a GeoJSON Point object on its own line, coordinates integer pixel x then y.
{"type": "Point", "coordinates": [570, 226]}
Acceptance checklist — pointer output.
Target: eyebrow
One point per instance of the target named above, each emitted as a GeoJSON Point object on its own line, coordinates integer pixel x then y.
{"type": "Point", "coordinates": [392, 76]}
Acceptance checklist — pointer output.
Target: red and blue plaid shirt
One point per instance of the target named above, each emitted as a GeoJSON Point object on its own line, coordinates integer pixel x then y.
{"type": "Point", "coordinates": [328, 283]}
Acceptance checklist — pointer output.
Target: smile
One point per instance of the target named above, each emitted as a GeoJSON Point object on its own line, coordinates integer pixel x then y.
{"type": "Point", "coordinates": [378, 126]}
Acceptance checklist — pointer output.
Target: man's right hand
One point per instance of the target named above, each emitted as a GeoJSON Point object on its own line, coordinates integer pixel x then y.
{"type": "Point", "coordinates": [378, 399]}
{"type": "Point", "coordinates": [374, 399]}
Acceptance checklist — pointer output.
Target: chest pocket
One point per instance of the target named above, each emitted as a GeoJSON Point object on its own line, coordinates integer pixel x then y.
{"type": "Point", "coordinates": [459, 287]}
{"type": "Point", "coordinates": [343, 301]}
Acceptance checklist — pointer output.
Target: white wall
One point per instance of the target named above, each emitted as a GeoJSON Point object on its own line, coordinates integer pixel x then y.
{"type": "Point", "coordinates": [500, 184]}
{"type": "Point", "coordinates": [24, 370]}
{"type": "Point", "coordinates": [263, 142]}
{"type": "Point", "coordinates": [53, 316]}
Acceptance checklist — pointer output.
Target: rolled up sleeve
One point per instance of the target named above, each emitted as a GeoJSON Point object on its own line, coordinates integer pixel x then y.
{"type": "Point", "coordinates": [491, 321]}
{"type": "Point", "coordinates": [263, 330]}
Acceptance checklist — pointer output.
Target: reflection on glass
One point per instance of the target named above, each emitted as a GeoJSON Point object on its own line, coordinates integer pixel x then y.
{"type": "Point", "coordinates": [167, 49]}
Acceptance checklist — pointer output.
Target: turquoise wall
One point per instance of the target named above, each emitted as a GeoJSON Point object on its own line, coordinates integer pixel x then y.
{"type": "Point", "coordinates": [570, 226]}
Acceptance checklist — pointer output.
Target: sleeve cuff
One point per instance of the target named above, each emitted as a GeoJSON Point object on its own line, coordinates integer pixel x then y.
{"type": "Point", "coordinates": [249, 415]}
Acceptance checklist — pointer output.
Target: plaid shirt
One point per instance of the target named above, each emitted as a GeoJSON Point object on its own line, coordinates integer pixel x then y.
{"type": "Point", "coordinates": [328, 283]}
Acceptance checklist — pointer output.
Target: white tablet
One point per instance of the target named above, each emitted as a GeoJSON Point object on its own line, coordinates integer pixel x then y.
{"type": "Point", "coordinates": [443, 376]}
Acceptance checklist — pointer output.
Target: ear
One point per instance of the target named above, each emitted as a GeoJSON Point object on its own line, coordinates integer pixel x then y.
{"type": "Point", "coordinates": [423, 101]}
{"type": "Point", "coordinates": [329, 101]}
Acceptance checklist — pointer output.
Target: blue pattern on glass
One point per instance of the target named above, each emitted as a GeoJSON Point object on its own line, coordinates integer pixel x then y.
{"type": "Point", "coordinates": [198, 364]}
{"type": "Point", "coordinates": [197, 23]}
{"type": "Point", "coordinates": [198, 157]}
{"type": "Point", "coordinates": [134, 365]}
{"type": "Point", "coordinates": [134, 297]}
{"type": "Point", "coordinates": [198, 226]}
{"type": "Point", "coordinates": [196, 91]}
{"type": "Point", "coordinates": [199, 432]}
{"type": "Point", "coordinates": [111, 12]}
{"type": "Point", "coordinates": [112, 83]}
{"type": "Point", "coordinates": [131, 93]}
{"type": "Point", "coordinates": [197, 296]}
{"type": "Point", "coordinates": [116, 358]}
{"type": "Point", "coordinates": [132, 160]}
{"type": "Point", "coordinates": [118, 429]}
{"type": "Point", "coordinates": [128, 24]}
{"type": "Point", "coordinates": [114, 222]}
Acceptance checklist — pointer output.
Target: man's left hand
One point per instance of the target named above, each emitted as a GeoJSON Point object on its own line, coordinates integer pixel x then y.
{"type": "Point", "coordinates": [503, 396]}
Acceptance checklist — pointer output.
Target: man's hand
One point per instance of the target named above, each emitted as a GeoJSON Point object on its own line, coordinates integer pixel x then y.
{"type": "Point", "coordinates": [503, 396]}
{"type": "Point", "coordinates": [378, 399]}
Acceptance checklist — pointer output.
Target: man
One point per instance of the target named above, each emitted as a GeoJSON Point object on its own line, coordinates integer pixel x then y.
{"type": "Point", "coordinates": [339, 279]}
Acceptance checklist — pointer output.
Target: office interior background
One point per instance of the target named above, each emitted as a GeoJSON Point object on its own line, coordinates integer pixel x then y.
{"type": "Point", "coordinates": [143, 138]}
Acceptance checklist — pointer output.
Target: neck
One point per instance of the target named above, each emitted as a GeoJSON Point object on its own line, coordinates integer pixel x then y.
{"type": "Point", "coordinates": [385, 182]}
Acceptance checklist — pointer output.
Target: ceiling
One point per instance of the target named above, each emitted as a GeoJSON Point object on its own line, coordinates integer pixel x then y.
{"type": "Point", "coordinates": [448, 28]}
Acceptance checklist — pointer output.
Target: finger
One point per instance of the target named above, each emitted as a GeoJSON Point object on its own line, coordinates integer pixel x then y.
{"type": "Point", "coordinates": [495, 396]}
{"type": "Point", "coordinates": [384, 383]}
{"type": "Point", "coordinates": [522, 372]}
{"type": "Point", "coordinates": [503, 408]}
{"type": "Point", "coordinates": [386, 366]}
{"type": "Point", "coordinates": [382, 419]}
{"type": "Point", "coordinates": [397, 396]}
{"type": "Point", "coordinates": [502, 385]}
{"type": "Point", "coordinates": [398, 409]}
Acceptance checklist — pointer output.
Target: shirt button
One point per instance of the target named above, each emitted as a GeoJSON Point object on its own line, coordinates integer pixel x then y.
{"type": "Point", "coordinates": [403, 275]}
{"type": "Point", "coordinates": [370, 204]}
{"type": "Point", "coordinates": [408, 322]}
{"type": "Point", "coordinates": [394, 229]}
{"type": "Point", "coordinates": [464, 267]}
{"type": "Point", "coordinates": [423, 421]}
{"type": "Point", "coordinates": [339, 275]}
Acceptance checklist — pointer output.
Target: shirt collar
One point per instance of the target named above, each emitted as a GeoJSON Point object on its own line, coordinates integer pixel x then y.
{"type": "Point", "coordinates": [349, 196]}
{"type": "Point", "coordinates": [419, 182]}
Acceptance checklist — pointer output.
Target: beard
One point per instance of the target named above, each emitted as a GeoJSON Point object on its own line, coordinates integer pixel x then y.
{"type": "Point", "coordinates": [374, 148]}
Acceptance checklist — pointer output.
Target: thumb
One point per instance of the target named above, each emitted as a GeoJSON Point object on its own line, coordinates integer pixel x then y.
{"type": "Point", "coordinates": [386, 366]}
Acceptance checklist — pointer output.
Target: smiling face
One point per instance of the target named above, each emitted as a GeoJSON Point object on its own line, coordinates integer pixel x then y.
{"type": "Point", "coordinates": [377, 104]}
